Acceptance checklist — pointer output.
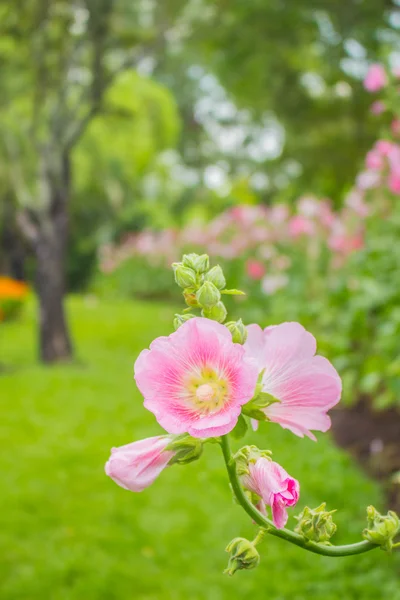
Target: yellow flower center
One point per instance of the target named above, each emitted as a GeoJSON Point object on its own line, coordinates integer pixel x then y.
{"type": "Point", "coordinates": [207, 391]}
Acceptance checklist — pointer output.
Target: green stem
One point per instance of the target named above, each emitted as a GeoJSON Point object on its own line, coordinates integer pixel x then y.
{"type": "Point", "coordinates": [286, 534]}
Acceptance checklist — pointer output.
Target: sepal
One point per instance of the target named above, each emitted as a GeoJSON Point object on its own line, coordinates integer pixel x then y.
{"type": "Point", "coordinates": [186, 448]}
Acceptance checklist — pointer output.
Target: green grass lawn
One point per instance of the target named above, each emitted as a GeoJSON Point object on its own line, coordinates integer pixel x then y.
{"type": "Point", "coordinates": [68, 532]}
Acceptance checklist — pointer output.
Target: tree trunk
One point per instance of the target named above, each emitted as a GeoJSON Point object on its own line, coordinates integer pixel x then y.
{"type": "Point", "coordinates": [54, 339]}
{"type": "Point", "coordinates": [50, 249]}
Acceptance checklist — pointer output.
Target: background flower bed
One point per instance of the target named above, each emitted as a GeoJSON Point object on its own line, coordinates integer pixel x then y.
{"type": "Point", "coordinates": [13, 294]}
{"type": "Point", "coordinates": [58, 424]}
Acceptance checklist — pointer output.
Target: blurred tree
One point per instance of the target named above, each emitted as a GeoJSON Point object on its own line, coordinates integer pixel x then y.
{"type": "Point", "coordinates": [61, 66]}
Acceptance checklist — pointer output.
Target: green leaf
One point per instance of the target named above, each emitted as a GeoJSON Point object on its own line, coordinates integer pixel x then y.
{"type": "Point", "coordinates": [240, 428]}
{"type": "Point", "coordinates": [233, 292]}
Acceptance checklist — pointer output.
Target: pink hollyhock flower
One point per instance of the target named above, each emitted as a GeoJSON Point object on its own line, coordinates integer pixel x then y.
{"type": "Point", "coordinates": [255, 269]}
{"type": "Point", "coordinates": [135, 466]}
{"type": "Point", "coordinates": [378, 107]}
{"type": "Point", "coordinates": [306, 386]}
{"type": "Point", "coordinates": [376, 78]}
{"type": "Point", "coordinates": [196, 380]}
{"type": "Point", "coordinates": [275, 487]}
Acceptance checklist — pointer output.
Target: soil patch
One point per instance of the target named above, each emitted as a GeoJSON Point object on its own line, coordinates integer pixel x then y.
{"type": "Point", "coordinates": [373, 439]}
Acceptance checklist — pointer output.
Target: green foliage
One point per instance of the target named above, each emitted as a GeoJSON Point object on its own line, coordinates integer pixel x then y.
{"type": "Point", "coordinates": [67, 532]}
{"type": "Point", "coordinates": [138, 120]}
{"type": "Point", "coordinates": [135, 278]}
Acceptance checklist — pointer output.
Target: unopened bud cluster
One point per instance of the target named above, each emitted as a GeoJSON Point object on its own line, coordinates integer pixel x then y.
{"type": "Point", "coordinates": [202, 288]}
{"type": "Point", "coordinates": [243, 555]}
{"type": "Point", "coordinates": [381, 529]}
{"type": "Point", "coordinates": [316, 524]}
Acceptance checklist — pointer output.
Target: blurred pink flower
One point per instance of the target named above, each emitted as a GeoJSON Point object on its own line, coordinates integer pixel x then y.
{"type": "Point", "coordinates": [278, 213]}
{"type": "Point", "coordinates": [395, 127]}
{"type": "Point", "coordinates": [396, 71]}
{"type": "Point", "coordinates": [355, 201]}
{"type": "Point", "coordinates": [281, 262]}
{"type": "Point", "coordinates": [394, 182]}
{"type": "Point", "coordinates": [384, 147]}
{"type": "Point", "coordinates": [272, 283]}
{"type": "Point", "coordinates": [300, 225]}
{"type": "Point", "coordinates": [308, 206]}
{"type": "Point", "coordinates": [135, 466]}
{"type": "Point", "coordinates": [367, 180]}
{"type": "Point", "coordinates": [326, 214]}
{"type": "Point", "coordinates": [345, 243]}
{"type": "Point", "coordinates": [196, 379]}
{"type": "Point", "coordinates": [378, 107]}
{"type": "Point", "coordinates": [374, 160]}
{"type": "Point", "coordinates": [306, 386]}
{"type": "Point", "coordinates": [394, 157]}
{"type": "Point", "coordinates": [376, 78]}
{"type": "Point", "coordinates": [255, 269]}
{"type": "Point", "coordinates": [275, 487]}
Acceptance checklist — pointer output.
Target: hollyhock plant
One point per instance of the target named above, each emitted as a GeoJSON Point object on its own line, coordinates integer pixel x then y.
{"type": "Point", "coordinates": [303, 386]}
{"type": "Point", "coordinates": [205, 381]}
{"type": "Point", "coordinates": [196, 380]}
{"type": "Point", "coordinates": [135, 466]}
{"type": "Point", "coordinates": [274, 486]}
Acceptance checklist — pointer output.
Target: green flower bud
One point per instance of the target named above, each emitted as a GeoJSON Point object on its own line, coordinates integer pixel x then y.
{"type": "Point", "coordinates": [216, 276]}
{"type": "Point", "coordinates": [186, 448]}
{"type": "Point", "coordinates": [381, 529]}
{"type": "Point", "coordinates": [247, 455]}
{"type": "Point", "coordinates": [316, 525]}
{"type": "Point", "coordinates": [199, 263]}
{"type": "Point", "coordinates": [184, 276]}
{"type": "Point", "coordinates": [243, 555]}
{"type": "Point", "coordinates": [190, 297]}
{"type": "Point", "coordinates": [238, 331]}
{"type": "Point", "coordinates": [216, 313]}
{"type": "Point", "coordinates": [208, 295]}
{"type": "Point", "coordinates": [181, 319]}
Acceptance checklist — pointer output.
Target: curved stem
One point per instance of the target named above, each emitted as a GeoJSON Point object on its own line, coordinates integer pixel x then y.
{"type": "Point", "coordinates": [286, 534]}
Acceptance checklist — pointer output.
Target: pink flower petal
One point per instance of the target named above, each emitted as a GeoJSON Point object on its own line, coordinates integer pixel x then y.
{"type": "Point", "coordinates": [306, 386]}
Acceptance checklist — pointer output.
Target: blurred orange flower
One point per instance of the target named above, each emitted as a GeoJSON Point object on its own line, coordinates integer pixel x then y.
{"type": "Point", "coordinates": [12, 289]}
